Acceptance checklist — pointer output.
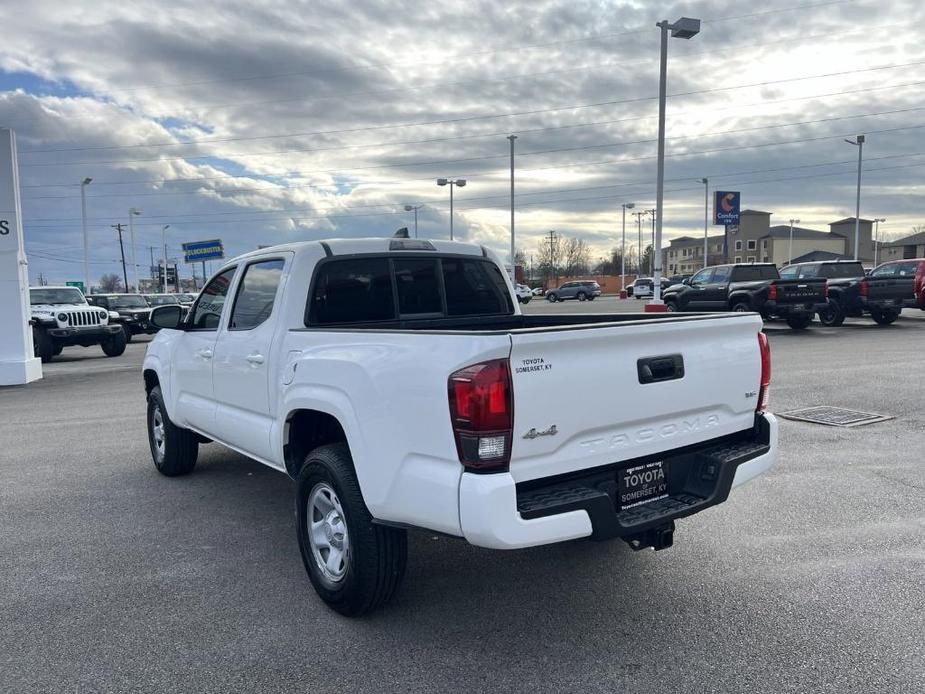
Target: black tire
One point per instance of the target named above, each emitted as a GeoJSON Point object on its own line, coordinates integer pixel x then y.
{"type": "Point", "coordinates": [526, 300]}
{"type": "Point", "coordinates": [582, 296]}
{"type": "Point", "coordinates": [43, 346]}
{"type": "Point", "coordinates": [552, 298]}
{"type": "Point", "coordinates": [592, 298]}
{"type": "Point", "coordinates": [371, 568]}
{"type": "Point", "coordinates": [884, 317]}
{"type": "Point", "coordinates": [128, 333]}
{"type": "Point", "coordinates": [672, 305]}
{"type": "Point", "coordinates": [741, 307]}
{"type": "Point", "coordinates": [176, 454]}
{"type": "Point", "coordinates": [58, 348]}
{"type": "Point", "coordinates": [114, 345]}
{"type": "Point", "coordinates": [799, 322]}
{"type": "Point", "coordinates": [833, 315]}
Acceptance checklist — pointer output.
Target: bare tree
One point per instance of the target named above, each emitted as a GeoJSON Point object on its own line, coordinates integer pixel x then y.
{"type": "Point", "coordinates": [520, 257]}
{"type": "Point", "coordinates": [577, 257]}
{"type": "Point", "coordinates": [111, 282]}
{"type": "Point", "coordinates": [549, 258]}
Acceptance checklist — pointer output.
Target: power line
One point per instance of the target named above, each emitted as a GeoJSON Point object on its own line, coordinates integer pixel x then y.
{"type": "Point", "coordinates": [471, 118]}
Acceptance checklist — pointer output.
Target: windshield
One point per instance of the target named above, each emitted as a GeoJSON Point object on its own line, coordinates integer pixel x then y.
{"type": "Point", "coordinates": [162, 299]}
{"type": "Point", "coordinates": [127, 301]}
{"type": "Point", "coordinates": [70, 295]}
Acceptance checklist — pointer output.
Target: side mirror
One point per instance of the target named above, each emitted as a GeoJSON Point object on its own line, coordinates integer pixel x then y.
{"type": "Point", "coordinates": [169, 317]}
{"type": "Point", "coordinates": [686, 280]}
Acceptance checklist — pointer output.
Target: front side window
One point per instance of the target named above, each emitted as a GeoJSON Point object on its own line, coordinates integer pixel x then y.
{"type": "Point", "coordinates": [256, 294]}
{"type": "Point", "coordinates": [808, 271]}
{"type": "Point", "coordinates": [789, 273]}
{"type": "Point", "coordinates": [702, 277]}
{"type": "Point", "coordinates": [889, 270]}
{"type": "Point", "coordinates": [208, 309]}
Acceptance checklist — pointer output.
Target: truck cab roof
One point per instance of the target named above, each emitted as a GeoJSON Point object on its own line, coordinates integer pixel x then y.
{"type": "Point", "coordinates": [344, 247]}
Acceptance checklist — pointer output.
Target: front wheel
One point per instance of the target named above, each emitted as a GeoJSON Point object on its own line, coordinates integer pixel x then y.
{"type": "Point", "coordinates": [884, 316]}
{"type": "Point", "coordinates": [671, 305]}
{"type": "Point", "coordinates": [354, 564]}
{"type": "Point", "coordinates": [833, 314]}
{"type": "Point", "coordinates": [43, 346]}
{"type": "Point", "coordinates": [174, 449]}
{"type": "Point", "coordinates": [799, 322]}
{"type": "Point", "coordinates": [582, 296]}
{"type": "Point", "coordinates": [114, 345]}
{"type": "Point", "coordinates": [128, 333]}
{"type": "Point", "coordinates": [552, 298]}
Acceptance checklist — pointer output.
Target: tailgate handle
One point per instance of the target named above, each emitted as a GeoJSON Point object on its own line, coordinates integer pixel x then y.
{"type": "Point", "coordinates": [669, 367]}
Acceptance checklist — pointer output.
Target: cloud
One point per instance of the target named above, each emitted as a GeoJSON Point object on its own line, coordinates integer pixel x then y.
{"type": "Point", "coordinates": [261, 122]}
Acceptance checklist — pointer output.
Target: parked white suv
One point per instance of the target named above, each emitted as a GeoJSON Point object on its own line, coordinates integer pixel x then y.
{"type": "Point", "coordinates": [61, 317]}
{"type": "Point", "coordinates": [398, 383]}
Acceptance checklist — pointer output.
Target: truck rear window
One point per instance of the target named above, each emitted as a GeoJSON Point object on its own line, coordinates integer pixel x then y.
{"type": "Point", "coordinates": [750, 273]}
{"type": "Point", "coordinates": [362, 290]}
{"type": "Point", "coordinates": [836, 270]}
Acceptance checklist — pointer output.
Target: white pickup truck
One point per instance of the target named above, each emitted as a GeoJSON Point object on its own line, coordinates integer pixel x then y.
{"type": "Point", "coordinates": [397, 382]}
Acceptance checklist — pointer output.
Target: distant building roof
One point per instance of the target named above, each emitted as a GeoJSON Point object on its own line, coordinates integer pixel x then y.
{"type": "Point", "coordinates": [754, 212]}
{"type": "Point", "coordinates": [782, 231]}
{"type": "Point", "coordinates": [914, 240]}
{"type": "Point", "coordinates": [813, 256]}
{"type": "Point", "coordinates": [850, 220]}
{"type": "Point", "coordinates": [694, 240]}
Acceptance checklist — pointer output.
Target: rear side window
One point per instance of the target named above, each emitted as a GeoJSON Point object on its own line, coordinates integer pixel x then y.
{"type": "Point", "coordinates": [721, 274]}
{"type": "Point", "coordinates": [256, 294]}
{"type": "Point", "coordinates": [353, 291]}
{"type": "Point", "coordinates": [474, 287]}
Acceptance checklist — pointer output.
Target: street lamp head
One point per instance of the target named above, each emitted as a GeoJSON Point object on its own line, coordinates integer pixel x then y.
{"type": "Point", "coordinates": [86, 181]}
{"type": "Point", "coordinates": [860, 139]}
{"type": "Point", "coordinates": [460, 182]}
{"type": "Point", "coordinates": [685, 28]}
{"type": "Point", "coordinates": [442, 181]}
{"type": "Point", "coordinates": [134, 211]}
{"type": "Point", "coordinates": [166, 227]}
{"type": "Point", "coordinates": [630, 205]}
{"type": "Point", "coordinates": [704, 181]}
{"type": "Point", "coordinates": [408, 208]}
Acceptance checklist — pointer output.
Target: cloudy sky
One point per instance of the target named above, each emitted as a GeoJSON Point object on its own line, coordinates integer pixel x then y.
{"type": "Point", "coordinates": [262, 121]}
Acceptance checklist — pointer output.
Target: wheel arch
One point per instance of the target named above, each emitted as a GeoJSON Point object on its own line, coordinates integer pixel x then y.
{"type": "Point", "coordinates": [305, 430]}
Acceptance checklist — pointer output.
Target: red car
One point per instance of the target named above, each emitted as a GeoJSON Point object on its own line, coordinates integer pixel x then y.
{"type": "Point", "coordinates": [909, 267]}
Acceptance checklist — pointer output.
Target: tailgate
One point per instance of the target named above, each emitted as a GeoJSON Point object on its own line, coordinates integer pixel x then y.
{"type": "Point", "coordinates": [581, 398]}
{"type": "Point", "coordinates": [891, 289]}
{"type": "Point", "coordinates": [810, 291]}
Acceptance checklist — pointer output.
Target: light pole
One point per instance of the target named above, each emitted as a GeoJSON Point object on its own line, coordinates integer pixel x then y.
{"type": "Point", "coordinates": [415, 208]}
{"type": "Point", "coordinates": [858, 142]}
{"type": "Point", "coordinates": [639, 215]}
{"type": "Point", "coordinates": [83, 221]}
{"type": "Point", "coordinates": [684, 28]}
{"type": "Point", "coordinates": [131, 234]}
{"type": "Point", "coordinates": [652, 258]}
{"type": "Point", "coordinates": [451, 182]}
{"type": "Point", "coordinates": [164, 257]}
{"type": "Point", "coordinates": [626, 206]}
{"type": "Point", "coordinates": [512, 138]}
{"type": "Point", "coordinates": [877, 239]}
{"type": "Point", "coordinates": [706, 216]}
{"type": "Point", "coordinates": [790, 249]}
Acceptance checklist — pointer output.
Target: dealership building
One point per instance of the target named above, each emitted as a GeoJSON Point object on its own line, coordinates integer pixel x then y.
{"type": "Point", "coordinates": [755, 240]}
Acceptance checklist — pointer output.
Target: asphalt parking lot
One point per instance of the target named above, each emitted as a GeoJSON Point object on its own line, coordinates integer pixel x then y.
{"type": "Point", "coordinates": [810, 579]}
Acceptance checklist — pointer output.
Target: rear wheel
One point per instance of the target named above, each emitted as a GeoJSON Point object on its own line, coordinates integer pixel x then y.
{"type": "Point", "coordinates": [799, 322]}
{"type": "Point", "coordinates": [173, 449]}
{"type": "Point", "coordinates": [741, 307]}
{"type": "Point", "coordinates": [833, 314]}
{"type": "Point", "coordinates": [43, 346]}
{"type": "Point", "coordinates": [114, 345]}
{"type": "Point", "coordinates": [354, 564]}
{"type": "Point", "coordinates": [582, 296]}
{"type": "Point", "coordinates": [884, 316]}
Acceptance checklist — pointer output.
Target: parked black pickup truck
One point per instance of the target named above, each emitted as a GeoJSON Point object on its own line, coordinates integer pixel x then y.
{"type": "Point", "coordinates": [750, 287]}
{"type": "Point", "coordinates": [882, 295]}
{"type": "Point", "coordinates": [133, 312]}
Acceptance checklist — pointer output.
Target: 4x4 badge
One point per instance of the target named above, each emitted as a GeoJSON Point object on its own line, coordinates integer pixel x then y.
{"type": "Point", "coordinates": [533, 433]}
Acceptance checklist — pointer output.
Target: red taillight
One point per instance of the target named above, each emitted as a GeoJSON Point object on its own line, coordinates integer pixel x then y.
{"type": "Point", "coordinates": [864, 287]}
{"type": "Point", "coordinates": [482, 412]}
{"type": "Point", "coordinates": [765, 350]}
{"type": "Point", "coordinates": [772, 292]}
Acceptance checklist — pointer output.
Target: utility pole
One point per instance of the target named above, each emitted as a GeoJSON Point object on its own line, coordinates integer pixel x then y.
{"type": "Point", "coordinates": [706, 217]}
{"type": "Point", "coordinates": [553, 242]}
{"type": "Point", "coordinates": [118, 228]}
{"type": "Point", "coordinates": [131, 233]}
{"type": "Point", "coordinates": [513, 270]}
{"type": "Point", "coordinates": [652, 256]}
{"type": "Point", "coordinates": [858, 142]}
{"type": "Point", "coordinates": [626, 206]}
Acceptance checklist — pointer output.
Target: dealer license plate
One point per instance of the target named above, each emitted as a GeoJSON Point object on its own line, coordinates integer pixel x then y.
{"type": "Point", "coordinates": [641, 484]}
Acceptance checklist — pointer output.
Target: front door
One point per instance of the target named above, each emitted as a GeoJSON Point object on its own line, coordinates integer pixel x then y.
{"type": "Point", "coordinates": [694, 299]}
{"type": "Point", "coordinates": [716, 294]}
{"type": "Point", "coordinates": [193, 356]}
{"type": "Point", "coordinates": [243, 361]}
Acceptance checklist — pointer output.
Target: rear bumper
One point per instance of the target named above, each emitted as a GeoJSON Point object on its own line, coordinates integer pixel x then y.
{"type": "Point", "coordinates": [497, 513]}
{"type": "Point", "coordinates": [808, 308]}
{"type": "Point", "coordinates": [886, 304]}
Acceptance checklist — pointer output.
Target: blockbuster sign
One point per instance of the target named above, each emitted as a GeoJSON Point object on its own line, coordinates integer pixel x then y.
{"type": "Point", "coordinates": [725, 207]}
{"type": "Point", "coordinates": [203, 250]}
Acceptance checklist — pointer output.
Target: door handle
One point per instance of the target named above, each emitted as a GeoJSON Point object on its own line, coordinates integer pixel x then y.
{"type": "Point", "coordinates": [255, 358]}
{"type": "Point", "coordinates": [205, 353]}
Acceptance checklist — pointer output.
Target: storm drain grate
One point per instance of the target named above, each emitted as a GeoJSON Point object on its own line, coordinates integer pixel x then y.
{"type": "Point", "coordinates": [834, 416]}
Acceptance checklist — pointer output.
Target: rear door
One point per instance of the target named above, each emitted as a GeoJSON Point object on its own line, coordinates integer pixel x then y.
{"type": "Point", "coordinates": [242, 362]}
{"type": "Point", "coordinates": [586, 393]}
